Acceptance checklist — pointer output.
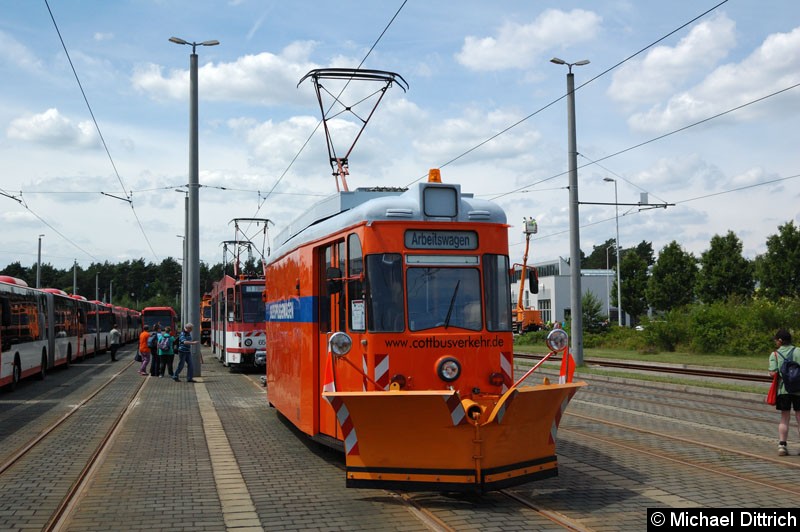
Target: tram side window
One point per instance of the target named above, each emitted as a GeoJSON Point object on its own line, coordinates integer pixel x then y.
{"type": "Point", "coordinates": [355, 283]}
{"type": "Point", "coordinates": [385, 310]}
{"type": "Point", "coordinates": [324, 294]}
{"type": "Point", "coordinates": [498, 292]}
{"type": "Point", "coordinates": [340, 297]}
{"type": "Point", "coordinates": [231, 305]}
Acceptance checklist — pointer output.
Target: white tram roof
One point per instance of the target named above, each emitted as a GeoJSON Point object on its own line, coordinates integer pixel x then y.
{"type": "Point", "coordinates": [438, 202]}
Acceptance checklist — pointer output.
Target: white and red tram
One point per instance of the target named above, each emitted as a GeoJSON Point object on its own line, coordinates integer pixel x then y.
{"type": "Point", "coordinates": [238, 321]}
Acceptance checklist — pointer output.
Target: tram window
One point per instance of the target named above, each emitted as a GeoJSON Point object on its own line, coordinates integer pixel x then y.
{"type": "Point", "coordinates": [385, 310]}
{"type": "Point", "coordinates": [444, 297]}
{"type": "Point", "coordinates": [333, 280]}
{"type": "Point", "coordinates": [355, 284]}
{"type": "Point", "coordinates": [231, 305]}
{"type": "Point", "coordinates": [498, 292]}
{"type": "Point", "coordinates": [253, 307]}
{"type": "Point", "coordinates": [324, 290]}
{"type": "Point", "coordinates": [340, 299]}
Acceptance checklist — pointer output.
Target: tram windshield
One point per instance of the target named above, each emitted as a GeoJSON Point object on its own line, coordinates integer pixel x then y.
{"type": "Point", "coordinates": [444, 297]}
{"type": "Point", "coordinates": [253, 308]}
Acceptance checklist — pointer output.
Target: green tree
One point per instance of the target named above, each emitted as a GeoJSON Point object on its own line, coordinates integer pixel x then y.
{"type": "Point", "coordinates": [672, 278]}
{"type": "Point", "coordinates": [594, 318]}
{"type": "Point", "coordinates": [633, 270]}
{"type": "Point", "coordinates": [598, 257]}
{"type": "Point", "coordinates": [17, 270]}
{"type": "Point", "coordinates": [724, 272]}
{"type": "Point", "coordinates": [778, 270]}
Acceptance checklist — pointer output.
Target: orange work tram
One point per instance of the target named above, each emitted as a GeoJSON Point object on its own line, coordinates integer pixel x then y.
{"type": "Point", "coordinates": [389, 334]}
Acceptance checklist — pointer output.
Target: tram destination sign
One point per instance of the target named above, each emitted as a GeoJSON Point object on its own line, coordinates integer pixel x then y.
{"type": "Point", "coordinates": [419, 239]}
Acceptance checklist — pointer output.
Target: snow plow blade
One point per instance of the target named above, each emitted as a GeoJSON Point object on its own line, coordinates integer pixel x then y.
{"type": "Point", "coordinates": [428, 440]}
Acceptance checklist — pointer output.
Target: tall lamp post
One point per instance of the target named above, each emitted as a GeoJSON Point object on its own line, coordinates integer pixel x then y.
{"type": "Point", "coordinates": [608, 289]}
{"type": "Point", "coordinates": [619, 278]}
{"type": "Point", "coordinates": [574, 235]}
{"type": "Point", "coordinates": [192, 262]}
{"type": "Point", "coordinates": [183, 278]}
{"type": "Point", "coordinates": [39, 265]}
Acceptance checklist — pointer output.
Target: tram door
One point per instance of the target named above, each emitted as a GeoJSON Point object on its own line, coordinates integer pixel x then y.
{"type": "Point", "coordinates": [332, 318]}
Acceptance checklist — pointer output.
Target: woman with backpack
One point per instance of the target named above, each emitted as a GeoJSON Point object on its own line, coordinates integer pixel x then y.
{"type": "Point", "coordinates": [786, 400]}
{"type": "Point", "coordinates": [166, 352]}
{"type": "Point", "coordinates": [154, 338]}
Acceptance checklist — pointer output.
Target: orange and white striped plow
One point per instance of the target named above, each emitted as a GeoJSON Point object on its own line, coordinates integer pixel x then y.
{"type": "Point", "coordinates": [428, 440]}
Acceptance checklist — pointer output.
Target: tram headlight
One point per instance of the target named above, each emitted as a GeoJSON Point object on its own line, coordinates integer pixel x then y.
{"type": "Point", "coordinates": [557, 340]}
{"type": "Point", "coordinates": [340, 343]}
{"type": "Point", "coordinates": [248, 342]}
{"type": "Point", "coordinates": [448, 369]}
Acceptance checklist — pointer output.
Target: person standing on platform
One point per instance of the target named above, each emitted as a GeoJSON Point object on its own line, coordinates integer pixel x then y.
{"type": "Point", "coordinates": [166, 353]}
{"type": "Point", "coordinates": [155, 337]}
{"type": "Point", "coordinates": [144, 349]}
{"type": "Point", "coordinates": [114, 336]}
{"type": "Point", "coordinates": [185, 344]}
{"type": "Point", "coordinates": [786, 401]}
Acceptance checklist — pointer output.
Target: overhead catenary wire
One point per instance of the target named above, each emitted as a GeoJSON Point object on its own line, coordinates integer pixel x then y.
{"type": "Point", "coordinates": [587, 82]}
{"type": "Point", "coordinates": [654, 139]}
{"type": "Point", "coordinates": [541, 236]}
{"type": "Point", "coordinates": [128, 195]}
{"type": "Point", "coordinates": [316, 128]}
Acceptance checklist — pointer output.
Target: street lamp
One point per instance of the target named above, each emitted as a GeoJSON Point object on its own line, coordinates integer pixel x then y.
{"type": "Point", "coordinates": [192, 262]}
{"type": "Point", "coordinates": [619, 279]}
{"type": "Point", "coordinates": [39, 265]}
{"type": "Point", "coordinates": [574, 235]}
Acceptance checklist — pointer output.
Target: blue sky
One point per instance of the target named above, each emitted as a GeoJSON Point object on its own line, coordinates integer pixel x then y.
{"type": "Point", "coordinates": [474, 68]}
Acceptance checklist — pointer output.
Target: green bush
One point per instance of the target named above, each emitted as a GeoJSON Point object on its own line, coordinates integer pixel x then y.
{"type": "Point", "coordinates": [738, 328]}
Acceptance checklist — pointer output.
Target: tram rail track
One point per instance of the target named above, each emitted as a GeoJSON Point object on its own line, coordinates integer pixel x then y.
{"type": "Point", "coordinates": [658, 368]}
{"type": "Point", "coordinates": [61, 515]}
{"type": "Point", "coordinates": [27, 447]}
{"type": "Point", "coordinates": [56, 514]}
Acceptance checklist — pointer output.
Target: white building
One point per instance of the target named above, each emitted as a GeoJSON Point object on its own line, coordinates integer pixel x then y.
{"type": "Point", "coordinates": [553, 299]}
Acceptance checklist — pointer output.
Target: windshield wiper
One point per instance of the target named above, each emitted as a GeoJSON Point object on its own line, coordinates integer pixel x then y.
{"type": "Point", "coordinates": [452, 302]}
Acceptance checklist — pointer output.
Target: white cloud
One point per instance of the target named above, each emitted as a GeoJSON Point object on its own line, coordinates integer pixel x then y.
{"type": "Point", "coordinates": [273, 145]}
{"type": "Point", "coordinates": [53, 129]}
{"type": "Point", "coordinates": [454, 136]}
{"type": "Point", "coordinates": [100, 36]}
{"type": "Point", "coordinates": [15, 53]}
{"type": "Point", "coordinates": [265, 78]}
{"type": "Point", "coordinates": [19, 219]}
{"type": "Point", "coordinates": [675, 173]}
{"type": "Point", "coordinates": [774, 66]}
{"type": "Point", "coordinates": [664, 68]}
{"type": "Point", "coordinates": [520, 45]}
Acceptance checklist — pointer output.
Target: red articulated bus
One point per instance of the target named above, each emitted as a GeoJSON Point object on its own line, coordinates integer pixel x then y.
{"type": "Point", "coordinates": [389, 333]}
{"type": "Point", "coordinates": [163, 316]}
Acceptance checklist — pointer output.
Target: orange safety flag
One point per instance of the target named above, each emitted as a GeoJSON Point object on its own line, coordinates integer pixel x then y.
{"type": "Point", "coordinates": [329, 384]}
{"type": "Point", "coordinates": [567, 367]}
